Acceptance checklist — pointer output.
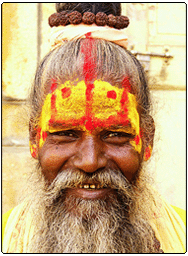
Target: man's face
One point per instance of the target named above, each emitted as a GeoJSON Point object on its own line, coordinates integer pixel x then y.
{"type": "Point", "coordinates": [89, 129]}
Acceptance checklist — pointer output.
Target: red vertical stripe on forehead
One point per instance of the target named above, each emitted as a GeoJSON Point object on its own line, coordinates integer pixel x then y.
{"type": "Point", "coordinates": [89, 102]}
{"type": "Point", "coordinates": [89, 93]}
{"type": "Point", "coordinates": [124, 98]}
{"type": "Point", "coordinates": [39, 133]}
{"type": "Point", "coordinates": [89, 73]}
{"type": "Point", "coordinates": [123, 113]}
{"type": "Point", "coordinates": [89, 67]}
{"type": "Point", "coordinates": [34, 152]}
{"type": "Point", "coordinates": [66, 92]}
{"type": "Point", "coordinates": [147, 153]}
{"type": "Point", "coordinates": [88, 35]}
{"type": "Point", "coordinates": [53, 86]}
{"type": "Point", "coordinates": [44, 135]}
{"type": "Point", "coordinates": [53, 102]}
{"type": "Point", "coordinates": [53, 108]}
{"type": "Point", "coordinates": [137, 139]}
{"type": "Point", "coordinates": [126, 83]}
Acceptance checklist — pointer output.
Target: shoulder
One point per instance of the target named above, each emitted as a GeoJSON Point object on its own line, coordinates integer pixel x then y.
{"type": "Point", "coordinates": [168, 222]}
{"type": "Point", "coordinates": [11, 218]}
{"type": "Point", "coordinates": [180, 212]}
{"type": "Point", "coordinates": [4, 220]}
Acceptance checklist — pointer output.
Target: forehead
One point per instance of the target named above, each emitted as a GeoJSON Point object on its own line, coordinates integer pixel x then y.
{"type": "Point", "coordinates": [93, 105]}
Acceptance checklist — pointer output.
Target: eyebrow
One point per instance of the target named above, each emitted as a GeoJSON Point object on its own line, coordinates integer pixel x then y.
{"type": "Point", "coordinates": [62, 125]}
{"type": "Point", "coordinates": [118, 127]}
{"type": "Point", "coordinates": [121, 128]}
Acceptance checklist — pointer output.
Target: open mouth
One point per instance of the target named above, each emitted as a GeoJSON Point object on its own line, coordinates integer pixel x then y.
{"type": "Point", "coordinates": [89, 191]}
{"type": "Point", "coordinates": [90, 186]}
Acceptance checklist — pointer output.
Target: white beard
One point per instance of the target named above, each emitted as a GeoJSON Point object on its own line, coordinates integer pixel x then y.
{"type": "Point", "coordinates": [117, 224]}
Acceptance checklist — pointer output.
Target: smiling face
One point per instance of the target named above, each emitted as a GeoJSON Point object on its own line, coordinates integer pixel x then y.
{"type": "Point", "coordinates": [88, 124]}
{"type": "Point", "coordinates": [89, 128]}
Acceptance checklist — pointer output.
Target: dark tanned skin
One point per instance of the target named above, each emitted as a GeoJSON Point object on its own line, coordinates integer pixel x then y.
{"type": "Point", "coordinates": [88, 152]}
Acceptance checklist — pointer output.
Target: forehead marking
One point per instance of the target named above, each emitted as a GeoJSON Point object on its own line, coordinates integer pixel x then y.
{"type": "Point", "coordinates": [88, 35]}
{"type": "Point", "coordinates": [95, 104]}
{"type": "Point", "coordinates": [89, 66]}
{"type": "Point", "coordinates": [89, 70]}
{"type": "Point", "coordinates": [53, 86]}
{"type": "Point", "coordinates": [39, 132]}
{"type": "Point", "coordinates": [44, 135]}
{"type": "Point", "coordinates": [53, 103]}
{"type": "Point", "coordinates": [126, 83]}
{"type": "Point", "coordinates": [147, 153]}
{"type": "Point", "coordinates": [111, 94]}
{"type": "Point", "coordinates": [89, 120]}
{"type": "Point", "coordinates": [53, 108]}
{"type": "Point", "coordinates": [66, 92]}
{"type": "Point", "coordinates": [137, 139]}
{"type": "Point", "coordinates": [33, 149]}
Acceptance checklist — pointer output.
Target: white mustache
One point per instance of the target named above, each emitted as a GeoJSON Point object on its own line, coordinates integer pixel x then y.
{"type": "Point", "coordinates": [71, 178]}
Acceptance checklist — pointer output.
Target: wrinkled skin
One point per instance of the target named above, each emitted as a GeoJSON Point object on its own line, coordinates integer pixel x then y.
{"type": "Point", "coordinates": [88, 152]}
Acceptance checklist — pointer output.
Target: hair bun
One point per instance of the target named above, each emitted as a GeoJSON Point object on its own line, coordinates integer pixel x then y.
{"type": "Point", "coordinates": [65, 6]}
{"type": "Point", "coordinates": [107, 8]}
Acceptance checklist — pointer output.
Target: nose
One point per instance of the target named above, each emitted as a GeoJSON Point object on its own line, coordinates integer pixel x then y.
{"type": "Point", "coordinates": [90, 156]}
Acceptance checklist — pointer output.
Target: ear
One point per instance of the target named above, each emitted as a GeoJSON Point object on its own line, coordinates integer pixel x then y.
{"type": "Point", "coordinates": [148, 132]}
{"type": "Point", "coordinates": [33, 141]}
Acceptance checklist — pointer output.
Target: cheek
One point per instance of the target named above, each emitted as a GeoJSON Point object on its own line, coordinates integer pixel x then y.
{"type": "Point", "coordinates": [53, 159]}
{"type": "Point", "coordinates": [127, 160]}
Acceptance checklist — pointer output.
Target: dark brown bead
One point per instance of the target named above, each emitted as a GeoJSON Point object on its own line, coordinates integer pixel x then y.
{"type": "Point", "coordinates": [88, 18]}
{"type": "Point", "coordinates": [125, 21]}
{"type": "Point", "coordinates": [101, 19]}
{"type": "Point", "coordinates": [75, 17]}
{"type": "Point", "coordinates": [64, 19]}
{"type": "Point", "coordinates": [111, 20]}
{"type": "Point", "coordinates": [54, 20]}
{"type": "Point", "coordinates": [122, 22]}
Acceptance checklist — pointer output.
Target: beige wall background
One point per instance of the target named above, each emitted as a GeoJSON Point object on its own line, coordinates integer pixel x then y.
{"type": "Point", "coordinates": [154, 27]}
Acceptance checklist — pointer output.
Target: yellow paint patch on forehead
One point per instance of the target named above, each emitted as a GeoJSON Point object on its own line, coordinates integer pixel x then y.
{"type": "Point", "coordinates": [103, 105]}
{"type": "Point", "coordinates": [133, 113]}
{"type": "Point", "coordinates": [88, 107]}
{"type": "Point", "coordinates": [63, 108]}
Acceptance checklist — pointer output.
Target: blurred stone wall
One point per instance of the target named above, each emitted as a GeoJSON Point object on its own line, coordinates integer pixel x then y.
{"type": "Point", "coordinates": [154, 27]}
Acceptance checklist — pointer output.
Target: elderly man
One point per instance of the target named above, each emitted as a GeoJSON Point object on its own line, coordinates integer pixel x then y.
{"type": "Point", "coordinates": [91, 133]}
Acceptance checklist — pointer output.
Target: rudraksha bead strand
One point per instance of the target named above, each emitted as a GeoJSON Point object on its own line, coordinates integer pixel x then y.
{"type": "Point", "coordinates": [100, 19]}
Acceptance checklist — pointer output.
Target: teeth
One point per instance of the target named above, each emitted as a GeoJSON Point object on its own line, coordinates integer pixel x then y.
{"type": "Point", "coordinates": [91, 186]}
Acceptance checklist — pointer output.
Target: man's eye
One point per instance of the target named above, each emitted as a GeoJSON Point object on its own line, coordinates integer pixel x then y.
{"type": "Point", "coordinates": [117, 134]}
{"type": "Point", "coordinates": [117, 137]}
{"type": "Point", "coordinates": [70, 134]}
